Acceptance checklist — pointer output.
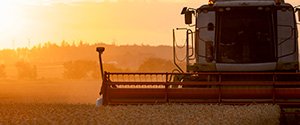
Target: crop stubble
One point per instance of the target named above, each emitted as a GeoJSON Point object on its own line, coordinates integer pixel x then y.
{"type": "Point", "coordinates": [43, 113]}
{"type": "Point", "coordinates": [73, 102]}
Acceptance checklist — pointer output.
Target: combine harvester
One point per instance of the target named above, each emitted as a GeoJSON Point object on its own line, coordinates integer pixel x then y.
{"type": "Point", "coordinates": [237, 52]}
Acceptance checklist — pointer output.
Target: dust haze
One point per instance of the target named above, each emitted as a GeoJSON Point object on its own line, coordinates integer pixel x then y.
{"type": "Point", "coordinates": [70, 73]}
{"type": "Point", "coordinates": [49, 91]}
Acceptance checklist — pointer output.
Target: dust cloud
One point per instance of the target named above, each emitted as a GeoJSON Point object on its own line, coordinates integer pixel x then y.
{"type": "Point", "coordinates": [50, 91]}
{"type": "Point", "coordinates": [70, 73]}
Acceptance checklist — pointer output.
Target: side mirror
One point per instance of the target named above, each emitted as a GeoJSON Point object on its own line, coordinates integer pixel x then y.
{"type": "Point", "coordinates": [183, 10]}
{"type": "Point", "coordinates": [187, 15]}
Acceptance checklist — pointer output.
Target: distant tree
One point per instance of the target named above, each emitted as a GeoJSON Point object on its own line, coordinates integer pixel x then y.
{"type": "Point", "coordinates": [80, 43]}
{"type": "Point", "coordinates": [47, 45]}
{"type": "Point", "coordinates": [111, 68]}
{"type": "Point", "coordinates": [77, 69]}
{"type": "Point", "coordinates": [23, 53]}
{"type": "Point", "coordinates": [80, 69]}
{"type": "Point", "coordinates": [156, 65]}
{"type": "Point", "coordinates": [64, 44]}
{"type": "Point", "coordinates": [8, 56]}
{"type": "Point", "coordinates": [86, 69]}
{"type": "Point", "coordinates": [2, 71]}
{"type": "Point", "coordinates": [107, 68]}
{"type": "Point", "coordinates": [26, 70]}
{"type": "Point", "coordinates": [73, 44]}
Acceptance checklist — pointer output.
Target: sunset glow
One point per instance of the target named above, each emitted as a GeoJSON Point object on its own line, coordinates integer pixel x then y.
{"type": "Point", "coordinates": [149, 62]}
{"type": "Point", "coordinates": [32, 22]}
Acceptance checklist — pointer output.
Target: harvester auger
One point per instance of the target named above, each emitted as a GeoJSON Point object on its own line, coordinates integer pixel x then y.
{"type": "Point", "coordinates": [238, 52]}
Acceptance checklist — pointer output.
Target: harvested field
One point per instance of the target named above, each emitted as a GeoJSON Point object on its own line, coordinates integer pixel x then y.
{"type": "Point", "coordinates": [73, 102]}
{"type": "Point", "coordinates": [37, 113]}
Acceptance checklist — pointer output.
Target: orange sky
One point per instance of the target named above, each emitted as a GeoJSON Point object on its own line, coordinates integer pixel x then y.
{"type": "Point", "coordinates": [120, 21]}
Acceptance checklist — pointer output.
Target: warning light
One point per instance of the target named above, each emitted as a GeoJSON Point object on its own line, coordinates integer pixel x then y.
{"type": "Point", "coordinates": [278, 2]}
{"type": "Point", "coordinates": [210, 2]}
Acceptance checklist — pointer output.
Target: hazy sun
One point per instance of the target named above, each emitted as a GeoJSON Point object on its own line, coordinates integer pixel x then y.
{"type": "Point", "coordinates": [7, 14]}
{"type": "Point", "coordinates": [9, 21]}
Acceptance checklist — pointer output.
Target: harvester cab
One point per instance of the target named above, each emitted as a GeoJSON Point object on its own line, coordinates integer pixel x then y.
{"type": "Point", "coordinates": [248, 35]}
{"type": "Point", "coordinates": [237, 52]}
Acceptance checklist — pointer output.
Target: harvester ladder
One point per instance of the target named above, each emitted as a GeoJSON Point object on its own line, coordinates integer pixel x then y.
{"type": "Point", "coordinates": [189, 45]}
{"type": "Point", "coordinates": [189, 56]}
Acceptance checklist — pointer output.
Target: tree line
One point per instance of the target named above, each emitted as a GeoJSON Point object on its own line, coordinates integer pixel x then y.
{"type": "Point", "coordinates": [83, 69]}
{"type": "Point", "coordinates": [81, 61]}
